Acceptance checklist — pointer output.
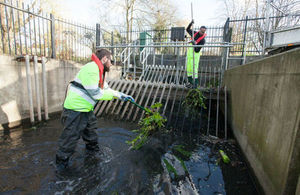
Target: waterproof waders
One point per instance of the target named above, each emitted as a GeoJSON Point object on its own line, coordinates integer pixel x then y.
{"type": "Point", "coordinates": [189, 66]}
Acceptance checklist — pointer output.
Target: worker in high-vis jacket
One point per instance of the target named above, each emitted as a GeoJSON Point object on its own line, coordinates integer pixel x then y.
{"type": "Point", "coordinates": [77, 117]}
{"type": "Point", "coordinates": [193, 59]}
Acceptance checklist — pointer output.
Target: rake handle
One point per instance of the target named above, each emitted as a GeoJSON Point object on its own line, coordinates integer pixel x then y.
{"type": "Point", "coordinates": [141, 107]}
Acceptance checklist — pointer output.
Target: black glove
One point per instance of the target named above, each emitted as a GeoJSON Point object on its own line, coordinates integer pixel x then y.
{"type": "Point", "coordinates": [192, 22]}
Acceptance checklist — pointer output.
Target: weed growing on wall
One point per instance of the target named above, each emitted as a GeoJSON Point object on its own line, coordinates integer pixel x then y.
{"type": "Point", "coordinates": [152, 123]}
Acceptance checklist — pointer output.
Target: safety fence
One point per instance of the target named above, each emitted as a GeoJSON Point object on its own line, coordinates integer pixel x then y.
{"type": "Point", "coordinates": [248, 34]}
{"type": "Point", "coordinates": [27, 30]}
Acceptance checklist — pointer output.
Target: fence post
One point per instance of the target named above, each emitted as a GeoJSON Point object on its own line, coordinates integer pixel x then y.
{"type": "Point", "coordinates": [244, 43]}
{"type": "Point", "coordinates": [112, 42]}
{"type": "Point", "coordinates": [97, 34]}
{"type": "Point", "coordinates": [53, 54]}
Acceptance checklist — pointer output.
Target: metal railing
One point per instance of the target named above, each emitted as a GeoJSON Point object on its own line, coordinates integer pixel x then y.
{"type": "Point", "coordinates": [248, 33]}
{"type": "Point", "coordinates": [27, 30]}
{"type": "Point", "coordinates": [167, 74]}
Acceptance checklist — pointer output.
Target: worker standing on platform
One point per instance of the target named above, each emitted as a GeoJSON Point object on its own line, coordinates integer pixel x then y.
{"type": "Point", "coordinates": [77, 117]}
{"type": "Point", "coordinates": [198, 39]}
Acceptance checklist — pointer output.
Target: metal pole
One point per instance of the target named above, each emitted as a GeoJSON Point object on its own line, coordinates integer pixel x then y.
{"type": "Point", "coordinates": [244, 42]}
{"type": "Point", "coordinates": [29, 89]}
{"type": "Point", "coordinates": [134, 64]}
{"type": "Point", "coordinates": [97, 34]}
{"type": "Point", "coordinates": [37, 88]}
{"type": "Point", "coordinates": [44, 82]}
{"type": "Point", "coordinates": [266, 28]}
{"type": "Point", "coordinates": [194, 83]}
{"type": "Point", "coordinates": [53, 54]}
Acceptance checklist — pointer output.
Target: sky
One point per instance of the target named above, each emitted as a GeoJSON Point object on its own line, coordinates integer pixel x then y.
{"type": "Point", "coordinates": [205, 12]}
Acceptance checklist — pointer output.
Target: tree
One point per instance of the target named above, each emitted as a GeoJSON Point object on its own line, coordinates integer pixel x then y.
{"type": "Point", "coordinates": [156, 14]}
{"type": "Point", "coordinates": [278, 13]}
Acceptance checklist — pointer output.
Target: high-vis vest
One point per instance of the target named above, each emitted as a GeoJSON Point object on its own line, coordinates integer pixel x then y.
{"type": "Point", "coordinates": [84, 99]}
{"type": "Point", "coordinates": [200, 38]}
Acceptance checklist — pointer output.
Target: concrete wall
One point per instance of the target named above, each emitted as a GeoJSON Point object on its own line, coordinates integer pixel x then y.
{"type": "Point", "coordinates": [14, 103]}
{"type": "Point", "coordinates": [264, 109]}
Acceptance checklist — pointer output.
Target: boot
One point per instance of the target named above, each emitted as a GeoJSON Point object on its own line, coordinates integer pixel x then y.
{"type": "Point", "coordinates": [61, 164]}
{"type": "Point", "coordinates": [92, 148]}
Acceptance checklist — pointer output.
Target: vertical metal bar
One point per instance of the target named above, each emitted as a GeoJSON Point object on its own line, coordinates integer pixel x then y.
{"type": "Point", "coordinates": [13, 27]}
{"type": "Point", "coordinates": [7, 28]}
{"type": "Point", "coordinates": [40, 42]}
{"type": "Point", "coordinates": [34, 28]}
{"type": "Point", "coordinates": [244, 41]}
{"type": "Point", "coordinates": [21, 48]}
{"type": "Point", "coordinates": [122, 102]}
{"type": "Point", "coordinates": [53, 47]}
{"type": "Point", "coordinates": [141, 101]}
{"type": "Point", "coordinates": [134, 63]}
{"type": "Point", "coordinates": [156, 73]}
{"type": "Point", "coordinates": [37, 87]}
{"type": "Point", "coordinates": [75, 42]}
{"type": "Point", "coordinates": [168, 96]}
{"type": "Point", "coordinates": [44, 41]}
{"type": "Point", "coordinates": [29, 89]}
{"type": "Point", "coordinates": [136, 99]}
{"type": "Point", "coordinates": [225, 91]}
{"type": "Point", "coordinates": [48, 39]}
{"type": "Point", "coordinates": [25, 34]}
{"type": "Point", "coordinates": [209, 108]}
{"type": "Point", "coordinates": [157, 89]}
{"type": "Point", "coordinates": [146, 103]}
{"type": "Point", "coordinates": [127, 103]}
{"type": "Point", "coordinates": [174, 98]}
{"type": "Point", "coordinates": [44, 83]}
{"type": "Point", "coordinates": [180, 102]}
{"type": "Point", "coordinates": [218, 99]}
{"type": "Point", "coordinates": [65, 42]}
{"type": "Point", "coordinates": [98, 34]}
{"type": "Point", "coordinates": [2, 35]}
{"type": "Point", "coordinates": [112, 42]}
{"type": "Point", "coordinates": [116, 103]}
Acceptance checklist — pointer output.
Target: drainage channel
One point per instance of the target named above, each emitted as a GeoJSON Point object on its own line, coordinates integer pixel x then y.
{"type": "Point", "coordinates": [27, 163]}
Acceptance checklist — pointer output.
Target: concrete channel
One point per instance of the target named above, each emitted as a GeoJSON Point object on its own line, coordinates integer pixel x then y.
{"type": "Point", "coordinates": [257, 127]}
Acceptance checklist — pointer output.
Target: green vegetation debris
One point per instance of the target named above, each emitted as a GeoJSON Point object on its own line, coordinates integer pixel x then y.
{"type": "Point", "coordinates": [181, 150]}
{"type": "Point", "coordinates": [195, 99]}
{"type": "Point", "coordinates": [150, 124]}
{"type": "Point", "coordinates": [225, 158]}
{"type": "Point", "coordinates": [170, 168]}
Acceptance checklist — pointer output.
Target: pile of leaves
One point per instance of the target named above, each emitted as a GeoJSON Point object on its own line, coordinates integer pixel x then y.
{"type": "Point", "coordinates": [195, 100]}
{"type": "Point", "coordinates": [152, 123]}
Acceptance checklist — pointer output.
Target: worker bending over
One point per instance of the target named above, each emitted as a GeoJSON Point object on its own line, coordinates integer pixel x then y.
{"type": "Point", "coordinates": [77, 117]}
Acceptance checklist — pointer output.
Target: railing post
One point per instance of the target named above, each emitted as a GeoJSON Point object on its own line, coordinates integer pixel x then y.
{"type": "Point", "coordinates": [98, 35]}
{"type": "Point", "coordinates": [53, 54]}
{"type": "Point", "coordinates": [244, 43]}
{"type": "Point", "coordinates": [112, 42]}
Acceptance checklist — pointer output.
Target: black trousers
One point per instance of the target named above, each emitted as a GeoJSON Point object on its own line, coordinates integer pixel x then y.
{"type": "Point", "coordinates": [76, 125]}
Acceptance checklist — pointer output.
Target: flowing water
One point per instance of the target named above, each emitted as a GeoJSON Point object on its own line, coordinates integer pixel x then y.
{"type": "Point", "coordinates": [27, 164]}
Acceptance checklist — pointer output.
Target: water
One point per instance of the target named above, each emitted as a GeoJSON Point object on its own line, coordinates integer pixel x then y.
{"type": "Point", "coordinates": [27, 164]}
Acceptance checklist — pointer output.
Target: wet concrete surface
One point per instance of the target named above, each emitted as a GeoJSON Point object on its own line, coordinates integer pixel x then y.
{"type": "Point", "coordinates": [27, 164]}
